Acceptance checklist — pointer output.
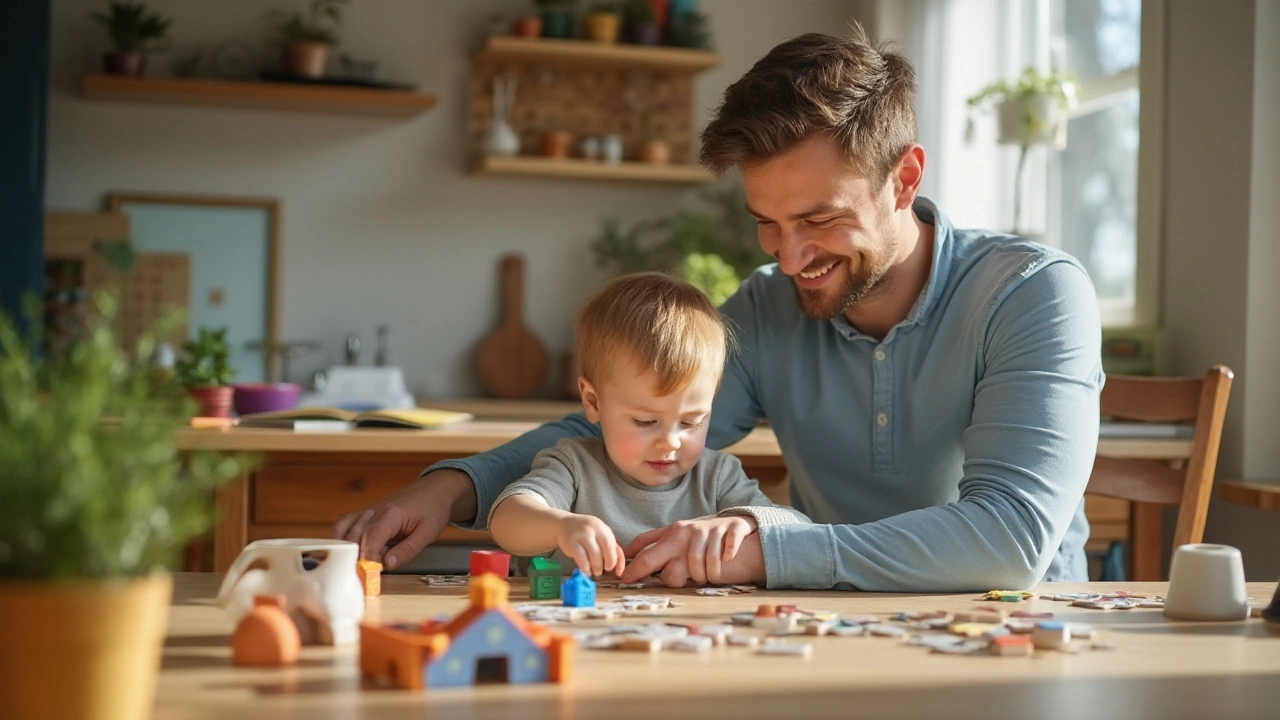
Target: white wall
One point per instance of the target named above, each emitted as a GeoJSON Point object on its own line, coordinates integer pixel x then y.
{"type": "Point", "coordinates": [380, 222]}
{"type": "Point", "coordinates": [1222, 180]}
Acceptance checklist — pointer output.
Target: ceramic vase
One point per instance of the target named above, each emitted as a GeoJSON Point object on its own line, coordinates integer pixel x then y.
{"type": "Point", "coordinates": [502, 139]}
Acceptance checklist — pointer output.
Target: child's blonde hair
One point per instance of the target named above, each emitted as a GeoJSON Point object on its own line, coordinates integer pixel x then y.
{"type": "Point", "coordinates": [660, 322]}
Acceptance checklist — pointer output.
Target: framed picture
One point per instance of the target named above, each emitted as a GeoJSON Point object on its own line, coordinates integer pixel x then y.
{"type": "Point", "coordinates": [232, 246]}
{"type": "Point", "coordinates": [1131, 350]}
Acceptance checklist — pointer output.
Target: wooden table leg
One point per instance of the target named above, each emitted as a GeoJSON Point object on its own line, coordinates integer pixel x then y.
{"type": "Point", "coordinates": [1146, 542]}
{"type": "Point", "coordinates": [231, 524]}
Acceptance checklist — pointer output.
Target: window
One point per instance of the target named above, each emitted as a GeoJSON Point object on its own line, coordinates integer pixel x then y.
{"type": "Point", "coordinates": [1092, 185]}
{"type": "Point", "coordinates": [1084, 198]}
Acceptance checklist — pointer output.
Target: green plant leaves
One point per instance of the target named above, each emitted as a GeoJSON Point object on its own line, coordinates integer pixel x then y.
{"type": "Point", "coordinates": [725, 231]}
{"type": "Point", "coordinates": [91, 481]}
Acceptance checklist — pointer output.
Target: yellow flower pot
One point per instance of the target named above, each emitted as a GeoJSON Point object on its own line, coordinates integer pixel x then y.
{"type": "Point", "coordinates": [82, 649]}
{"type": "Point", "coordinates": [602, 27]}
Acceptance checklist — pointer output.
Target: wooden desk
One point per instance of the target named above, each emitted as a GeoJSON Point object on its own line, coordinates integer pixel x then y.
{"type": "Point", "coordinates": [1158, 669]}
{"type": "Point", "coordinates": [308, 480]}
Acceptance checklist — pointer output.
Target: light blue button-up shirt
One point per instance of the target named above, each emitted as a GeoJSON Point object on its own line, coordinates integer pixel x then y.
{"type": "Point", "coordinates": [951, 455]}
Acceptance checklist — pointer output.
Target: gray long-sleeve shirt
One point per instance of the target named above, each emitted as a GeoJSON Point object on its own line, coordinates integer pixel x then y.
{"type": "Point", "coordinates": [951, 455]}
{"type": "Point", "coordinates": [577, 476]}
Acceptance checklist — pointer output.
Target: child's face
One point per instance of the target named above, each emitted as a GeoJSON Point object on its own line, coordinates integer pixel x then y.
{"type": "Point", "coordinates": [653, 439]}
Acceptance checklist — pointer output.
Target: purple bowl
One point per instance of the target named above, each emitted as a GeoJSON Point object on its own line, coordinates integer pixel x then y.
{"type": "Point", "coordinates": [264, 397]}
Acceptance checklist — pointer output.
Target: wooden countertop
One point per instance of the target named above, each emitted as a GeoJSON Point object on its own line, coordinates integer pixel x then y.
{"type": "Point", "coordinates": [1157, 669]}
{"type": "Point", "coordinates": [463, 438]}
{"type": "Point", "coordinates": [481, 435]}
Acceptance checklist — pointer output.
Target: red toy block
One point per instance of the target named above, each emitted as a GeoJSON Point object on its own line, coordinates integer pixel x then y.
{"type": "Point", "coordinates": [490, 561]}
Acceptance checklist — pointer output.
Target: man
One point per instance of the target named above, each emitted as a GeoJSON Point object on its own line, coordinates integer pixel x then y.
{"type": "Point", "coordinates": [934, 391]}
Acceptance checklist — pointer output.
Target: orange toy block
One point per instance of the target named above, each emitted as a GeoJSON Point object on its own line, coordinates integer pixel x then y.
{"type": "Point", "coordinates": [370, 572]}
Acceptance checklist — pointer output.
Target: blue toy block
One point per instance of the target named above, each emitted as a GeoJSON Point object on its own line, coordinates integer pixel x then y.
{"type": "Point", "coordinates": [578, 590]}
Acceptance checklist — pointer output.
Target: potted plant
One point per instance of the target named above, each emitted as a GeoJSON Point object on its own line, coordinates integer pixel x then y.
{"type": "Point", "coordinates": [641, 22]}
{"type": "Point", "coordinates": [308, 37]}
{"type": "Point", "coordinates": [712, 248]}
{"type": "Point", "coordinates": [689, 29]}
{"type": "Point", "coordinates": [134, 33]}
{"type": "Point", "coordinates": [1031, 111]}
{"type": "Point", "coordinates": [205, 371]}
{"type": "Point", "coordinates": [96, 501]}
{"type": "Point", "coordinates": [603, 22]}
{"type": "Point", "coordinates": [557, 17]}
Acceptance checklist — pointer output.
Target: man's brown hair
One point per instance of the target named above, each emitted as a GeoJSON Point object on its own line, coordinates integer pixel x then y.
{"type": "Point", "coordinates": [659, 322]}
{"type": "Point", "coordinates": [859, 93]}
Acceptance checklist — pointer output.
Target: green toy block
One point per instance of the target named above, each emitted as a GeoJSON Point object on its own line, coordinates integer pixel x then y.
{"type": "Point", "coordinates": [544, 579]}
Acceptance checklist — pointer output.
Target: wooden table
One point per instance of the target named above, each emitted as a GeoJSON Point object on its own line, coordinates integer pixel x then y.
{"type": "Point", "coordinates": [308, 480]}
{"type": "Point", "coordinates": [1260, 494]}
{"type": "Point", "coordinates": [1157, 669]}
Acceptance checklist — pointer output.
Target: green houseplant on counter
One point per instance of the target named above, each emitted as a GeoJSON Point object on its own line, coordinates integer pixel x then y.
{"type": "Point", "coordinates": [205, 371]}
{"type": "Point", "coordinates": [95, 502]}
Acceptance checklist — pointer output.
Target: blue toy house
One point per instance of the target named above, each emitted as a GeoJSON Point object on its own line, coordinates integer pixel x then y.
{"type": "Point", "coordinates": [578, 590]}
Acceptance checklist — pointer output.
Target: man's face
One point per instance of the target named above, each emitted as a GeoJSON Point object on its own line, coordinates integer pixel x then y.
{"type": "Point", "coordinates": [828, 225]}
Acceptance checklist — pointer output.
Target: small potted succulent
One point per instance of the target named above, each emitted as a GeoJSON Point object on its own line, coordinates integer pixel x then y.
{"type": "Point", "coordinates": [603, 22]}
{"type": "Point", "coordinates": [96, 502]}
{"type": "Point", "coordinates": [557, 17]}
{"type": "Point", "coordinates": [309, 36]}
{"type": "Point", "coordinates": [134, 32]}
{"type": "Point", "coordinates": [205, 371]}
{"type": "Point", "coordinates": [641, 22]}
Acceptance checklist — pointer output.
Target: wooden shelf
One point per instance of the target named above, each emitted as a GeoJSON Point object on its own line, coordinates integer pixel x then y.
{"type": "Point", "coordinates": [255, 95]}
{"type": "Point", "coordinates": [591, 169]}
{"type": "Point", "coordinates": [1264, 495]}
{"type": "Point", "coordinates": [585, 52]}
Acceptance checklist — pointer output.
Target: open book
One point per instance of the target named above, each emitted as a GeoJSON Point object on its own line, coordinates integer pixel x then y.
{"type": "Point", "coordinates": [332, 418]}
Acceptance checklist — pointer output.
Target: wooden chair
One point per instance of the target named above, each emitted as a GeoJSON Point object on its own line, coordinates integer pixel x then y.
{"type": "Point", "coordinates": [1151, 485]}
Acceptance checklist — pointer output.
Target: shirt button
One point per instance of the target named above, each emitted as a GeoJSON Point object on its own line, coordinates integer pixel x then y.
{"type": "Point", "coordinates": [880, 355]}
{"type": "Point", "coordinates": [882, 419]}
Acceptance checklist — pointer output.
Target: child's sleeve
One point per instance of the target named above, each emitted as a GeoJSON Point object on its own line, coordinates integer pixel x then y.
{"type": "Point", "coordinates": [740, 495]}
{"type": "Point", "coordinates": [551, 478]}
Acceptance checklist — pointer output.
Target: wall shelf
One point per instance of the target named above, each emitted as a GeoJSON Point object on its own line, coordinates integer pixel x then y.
{"type": "Point", "coordinates": [256, 95]}
{"type": "Point", "coordinates": [591, 169]}
{"type": "Point", "coordinates": [596, 54]}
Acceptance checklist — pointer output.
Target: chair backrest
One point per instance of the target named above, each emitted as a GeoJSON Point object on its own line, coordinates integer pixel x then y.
{"type": "Point", "coordinates": [1167, 400]}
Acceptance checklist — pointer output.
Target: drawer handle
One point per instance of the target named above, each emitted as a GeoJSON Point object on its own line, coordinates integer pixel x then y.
{"type": "Point", "coordinates": [359, 484]}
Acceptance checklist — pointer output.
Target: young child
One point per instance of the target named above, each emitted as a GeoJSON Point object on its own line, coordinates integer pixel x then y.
{"type": "Point", "coordinates": [653, 349]}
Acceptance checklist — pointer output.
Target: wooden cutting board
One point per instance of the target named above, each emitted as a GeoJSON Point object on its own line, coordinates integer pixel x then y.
{"type": "Point", "coordinates": [511, 362]}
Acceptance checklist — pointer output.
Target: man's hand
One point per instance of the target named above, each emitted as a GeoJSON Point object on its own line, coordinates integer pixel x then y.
{"type": "Point", "coordinates": [414, 516]}
{"type": "Point", "coordinates": [723, 550]}
{"type": "Point", "coordinates": [591, 544]}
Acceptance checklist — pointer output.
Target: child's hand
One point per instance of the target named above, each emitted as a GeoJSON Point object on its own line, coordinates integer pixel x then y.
{"type": "Point", "coordinates": [591, 544]}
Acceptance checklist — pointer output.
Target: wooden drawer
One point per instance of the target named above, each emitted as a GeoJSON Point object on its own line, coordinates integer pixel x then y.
{"type": "Point", "coordinates": [320, 494]}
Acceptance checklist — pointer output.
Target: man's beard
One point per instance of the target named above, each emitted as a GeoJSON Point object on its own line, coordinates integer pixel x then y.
{"type": "Point", "coordinates": [820, 305]}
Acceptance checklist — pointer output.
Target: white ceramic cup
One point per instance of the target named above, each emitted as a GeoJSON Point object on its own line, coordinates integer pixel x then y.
{"type": "Point", "coordinates": [1206, 582]}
